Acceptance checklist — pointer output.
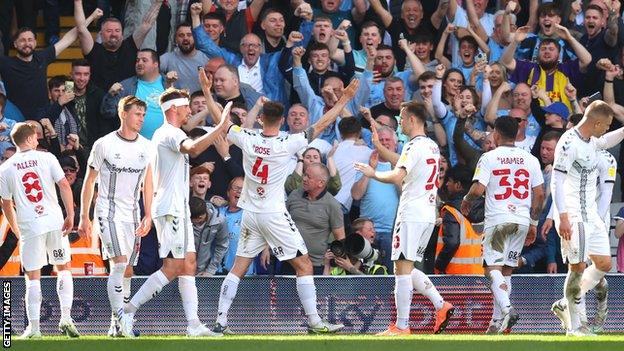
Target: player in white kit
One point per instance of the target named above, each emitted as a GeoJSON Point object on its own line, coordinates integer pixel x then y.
{"type": "Point", "coordinates": [171, 213]}
{"type": "Point", "coordinates": [120, 163]}
{"type": "Point", "coordinates": [266, 221]}
{"type": "Point", "coordinates": [417, 171]}
{"type": "Point", "coordinates": [512, 181]}
{"type": "Point", "coordinates": [578, 222]}
{"type": "Point", "coordinates": [607, 173]}
{"type": "Point", "coordinates": [27, 181]}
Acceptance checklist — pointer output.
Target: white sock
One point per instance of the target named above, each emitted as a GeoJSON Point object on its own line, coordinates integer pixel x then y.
{"type": "Point", "coordinates": [229, 287]}
{"type": "Point", "coordinates": [500, 290]}
{"type": "Point", "coordinates": [508, 281]}
{"type": "Point", "coordinates": [65, 291]}
{"type": "Point", "coordinates": [307, 295]}
{"type": "Point", "coordinates": [33, 302]}
{"type": "Point", "coordinates": [188, 293]}
{"type": "Point", "coordinates": [152, 286]}
{"type": "Point", "coordinates": [572, 293]}
{"type": "Point", "coordinates": [114, 286]}
{"type": "Point", "coordinates": [127, 289]}
{"type": "Point", "coordinates": [591, 277]}
{"type": "Point", "coordinates": [425, 287]}
{"type": "Point", "coordinates": [403, 291]}
{"type": "Point", "coordinates": [497, 314]}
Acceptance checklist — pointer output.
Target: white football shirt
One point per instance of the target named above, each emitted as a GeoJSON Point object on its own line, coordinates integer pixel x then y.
{"type": "Point", "coordinates": [29, 179]}
{"type": "Point", "coordinates": [265, 161]}
{"type": "Point", "coordinates": [170, 173]}
{"type": "Point", "coordinates": [121, 164]}
{"type": "Point", "coordinates": [509, 175]}
{"type": "Point", "coordinates": [607, 173]}
{"type": "Point", "coordinates": [420, 158]}
{"type": "Point", "coordinates": [577, 158]}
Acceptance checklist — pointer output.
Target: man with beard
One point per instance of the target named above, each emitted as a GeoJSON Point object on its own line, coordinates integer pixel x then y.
{"type": "Point", "coordinates": [601, 42]}
{"type": "Point", "coordinates": [548, 73]}
{"type": "Point", "coordinates": [549, 15]}
{"type": "Point", "coordinates": [180, 65]}
{"type": "Point", "coordinates": [146, 85]}
{"type": "Point", "coordinates": [113, 59]}
{"type": "Point", "coordinates": [25, 75]}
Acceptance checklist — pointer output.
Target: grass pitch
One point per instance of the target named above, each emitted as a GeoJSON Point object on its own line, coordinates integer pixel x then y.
{"type": "Point", "coordinates": [523, 342]}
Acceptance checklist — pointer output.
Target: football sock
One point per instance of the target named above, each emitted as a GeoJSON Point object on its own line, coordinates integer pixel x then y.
{"type": "Point", "coordinates": [403, 299]}
{"type": "Point", "coordinates": [33, 302]}
{"type": "Point", "coordinates": [307, 294]}
{"type": "Point", "coordinates": [500, 291]}
{"type": "Point", "coordinates": [591, 277]}
{"type": "Point", "coordinates": [572, 293]}
{"type": "Point", "coordinates": [127, 289]}
{"type": "Point", "coordinates": [188, 293]}
{"type": "Point", "coordinates": [152, 286]}
{"type": "Point", "coordinates": [65, 291]}
{"type": "Point", "coordinates": [425, 287]}
{"type": "Point", "coordinates": [508, 281]}
{"type": "Point", "coordinates": [114, 286]}
{"type": "Point", "coordinates": [602, 291]}
{"type": "Point", "coordinates": [229, 287]}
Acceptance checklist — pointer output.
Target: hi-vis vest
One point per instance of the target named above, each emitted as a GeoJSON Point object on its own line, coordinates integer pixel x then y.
{"type": "Point", "coordinates": [83, 251]}
{"type": "Point", "coordinates": [469, 256]}
{"type": "Point", "coordinates": [13, 265]}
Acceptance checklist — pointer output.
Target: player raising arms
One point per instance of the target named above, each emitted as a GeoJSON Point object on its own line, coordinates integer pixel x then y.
{"type": "Point", "coordinates": [266, 220]}
{"type": "Point", "coordinates": [577, 218]}
{"type": "Point", "coordinates": [512, 180]}
{"type": "Point", "coordinates": [171, 212]}
{"type": "Point", "coordinates": [27, 181]}
{"type": "Point", "coordinates": [417, 170]}
{"type": "Point", "coordinates": [120, 160]}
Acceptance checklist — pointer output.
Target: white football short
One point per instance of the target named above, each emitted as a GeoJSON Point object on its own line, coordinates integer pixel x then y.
{"type": "Point", "coordinates": [410, 240]}
{"type": "Point", "coordinates": [118, 239]}
{"type": "Point", "coordinates": [34, 249]}
{"type": "Point", "coordinates": [589, 238]}
{"type": "Point", "coordinates": [276, 229]}
{"type": "Point", "coordinates": [503, 243]}
{"type": "Point", "coordinates": [175, 236]}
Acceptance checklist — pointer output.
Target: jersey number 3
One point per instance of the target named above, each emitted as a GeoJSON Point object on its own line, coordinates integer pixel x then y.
{"type": "Point", "coordinates": [261, 171]}
{"type": "Point", "coordinates": [32, 187]}
{"type": "Point", "coordinates": [520, 181]}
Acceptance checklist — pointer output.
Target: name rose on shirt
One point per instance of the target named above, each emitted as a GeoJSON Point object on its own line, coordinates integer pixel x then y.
{"type": "Point", "coordinates": [262, 150]}
{"type": "Point", "coordinates": [26, 164]}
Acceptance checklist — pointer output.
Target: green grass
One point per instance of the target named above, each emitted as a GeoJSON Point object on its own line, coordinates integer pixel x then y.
{"type": "Point", "coordinates": [421, 342]}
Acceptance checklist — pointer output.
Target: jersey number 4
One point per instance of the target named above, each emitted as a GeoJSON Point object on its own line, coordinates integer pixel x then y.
{"type": "Point", "coordinates": [32, 187]}
{"type": "Point", "coordinates": [261, 171]}
{"type": "Point", "coordinates": [520, 182]}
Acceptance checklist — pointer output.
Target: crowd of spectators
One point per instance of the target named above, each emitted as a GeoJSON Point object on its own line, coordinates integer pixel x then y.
{"type": "Point", "coordinates": [468, 61]}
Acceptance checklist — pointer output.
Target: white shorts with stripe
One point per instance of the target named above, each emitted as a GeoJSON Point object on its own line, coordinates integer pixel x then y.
{"type": "Point", "coordinates": [175, 236]}
{"type": "Point", "coordinates": [118, 239]}
{"type": "Point", "coordinates": [49, 248]}
{"type": "Point", "coordinates": [591, 238]}
{"type": "Point", "coordinates": [503, 243]}
{"type": "Point", "coordinates": [276, 229]}
{"type": "Point", "coordinates": [410, 240]}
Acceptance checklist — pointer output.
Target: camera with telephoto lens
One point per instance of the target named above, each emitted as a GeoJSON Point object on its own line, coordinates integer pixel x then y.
{"type": "Point", "coordinates": [355, 246]}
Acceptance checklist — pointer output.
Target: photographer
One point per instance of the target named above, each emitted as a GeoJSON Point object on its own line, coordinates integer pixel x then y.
{"type": "Point", "coordinates": [342, 258]}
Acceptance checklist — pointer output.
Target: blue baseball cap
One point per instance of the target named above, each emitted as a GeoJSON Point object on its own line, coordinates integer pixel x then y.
{"type": "Point", "coordinates": [558, 108]}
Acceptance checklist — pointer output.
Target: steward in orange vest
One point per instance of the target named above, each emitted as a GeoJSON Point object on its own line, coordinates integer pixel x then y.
{"type": "Point", "coordinates": [458, 250]}
{"type": "Point", "coordinates": [10, 264]}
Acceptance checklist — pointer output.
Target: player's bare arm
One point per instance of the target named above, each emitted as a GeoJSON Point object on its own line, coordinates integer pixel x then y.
{"type": "Point", "coordinates": [536, 209]}
{"type": "Point", "coordinates": [476, 191]}
{"type": "Point", "coordinates": [68, 202]}
{"type": "Point", "coordinates": [385, 153]}
{"type": "Point", "coordinates": [205, 80]}
{"type": "Point", "coordinates": [394, 176]}
{"type": "Point", "coordinates": [86, 198]}
{"type": "Point", "coordinates": [328, 118]}
{"type": "Point", "coordinates": [148, 196]}
{"type": "Point", "coordinates": [197, 146]}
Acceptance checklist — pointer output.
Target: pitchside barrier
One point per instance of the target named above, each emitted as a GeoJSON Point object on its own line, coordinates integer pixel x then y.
{"type": "Point", "coordinates": [270, 305]}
